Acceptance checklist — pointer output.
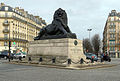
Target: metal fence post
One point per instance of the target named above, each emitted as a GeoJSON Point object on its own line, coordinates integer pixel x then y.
{"type": "Point", "coordinates": [81, 61]}
{"type": "Point", "coordinates": [29, 59]}
{"type": "Point", "coordinates": [53, 60]}
{"type": "Point", "coordinates": [69, 61]}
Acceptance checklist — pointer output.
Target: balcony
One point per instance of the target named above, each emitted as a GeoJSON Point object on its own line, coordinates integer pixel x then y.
{"type": "Point", "coordinates": [111, 38]}
{"type": "Point", "coordinates": [5, 31]}
{"type": "Point", "coordinates": [5, 16]}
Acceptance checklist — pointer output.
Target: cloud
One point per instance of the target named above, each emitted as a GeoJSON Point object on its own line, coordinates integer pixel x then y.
{"type": "Point", "coordinates": [82, 14]}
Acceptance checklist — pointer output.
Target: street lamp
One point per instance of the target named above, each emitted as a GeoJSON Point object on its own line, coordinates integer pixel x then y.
{"type": "Point", "coordinates": [89, 32]}
{"type": "Point", "coordinates": [9, 42]}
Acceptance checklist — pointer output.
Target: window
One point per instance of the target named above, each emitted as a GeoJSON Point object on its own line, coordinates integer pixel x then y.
{"type": "Point", "coordinates": [6, 27]}
{"type": "Point", "coordinates": [13, 36]}
{"type": "Point", "coordinates": [111, 42]}
{"type": "Point", "coordinates": [18, 44]}
{"type": "Point", "coordinates": [112, 18]}
{"type": "Point", "coordinates": [13, 9]}
{"type": "Point", "coordinates": [112, 48]}
{"type": "Point", "coordinates": [112, 25]}
{"type": "Point", "coordinates": [112, 30]}
{"type": "Point", "coordinates": [113, 35]}
{"type": "Point", "coordinates": [6, 8]}
{"type": "Point", "coordinates": [110, 36]}
{"type": "Point", "coordinates": [6, 21]}
{"type": "Point", "coordinates": [6, 14]}
{"type": "Point", "coordinates": [5, 43]}
{"type": "Point", "coordinates": [5, 36]}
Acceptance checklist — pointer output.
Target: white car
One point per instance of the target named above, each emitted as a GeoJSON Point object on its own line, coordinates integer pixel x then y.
{"type": "Point", "coordinates": [20, 55]}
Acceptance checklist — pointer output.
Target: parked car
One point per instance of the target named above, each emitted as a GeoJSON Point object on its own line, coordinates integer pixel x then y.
{"type": "Point", "coordinates": [90, 56]}
{"type": "Point", "coordinates": [105, 57]}
{"type": "Point", "coordinates": [4, 54]}
{"type": "Point", "coordinates": [20, 54]}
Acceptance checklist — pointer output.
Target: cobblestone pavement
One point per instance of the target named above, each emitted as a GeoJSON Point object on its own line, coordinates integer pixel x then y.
{"type": "Point", "coordinates": [11, 72]}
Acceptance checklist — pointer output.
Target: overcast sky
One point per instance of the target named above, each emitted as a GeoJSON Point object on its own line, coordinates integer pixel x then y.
{"type": "Point", "coordinates": [82, 14]}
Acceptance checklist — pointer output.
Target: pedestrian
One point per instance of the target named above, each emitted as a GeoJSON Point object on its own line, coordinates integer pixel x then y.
{"type": "Point", "coordinates": [102, 55]}
{"type": "Point", "coordinates": [92, 60]}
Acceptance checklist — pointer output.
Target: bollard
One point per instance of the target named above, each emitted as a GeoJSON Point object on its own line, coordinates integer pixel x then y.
{"type": "Point", "coordinates": [92, 60]}
{"type": "Point", "coordinates": [101, 59]}
{"type": "Point", "coordinates": [40, 60]}
{"type": "Point", "coordinates": [20, 58]}
{"type": "Point", "coordinates": [81, 61]}
{"type": "Point", "coordinates": [29, 59]}
{"type": "Point", "coordinates": [69, 61]}
{"type": "Point", "coordinates": [53, 60]}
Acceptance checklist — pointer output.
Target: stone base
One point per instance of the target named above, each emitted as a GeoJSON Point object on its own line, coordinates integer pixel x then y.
{"type": "Point", "coordinates": [61, 49]}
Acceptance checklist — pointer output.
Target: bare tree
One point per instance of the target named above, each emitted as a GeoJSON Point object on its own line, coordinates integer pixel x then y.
{"type": "Point", "coordinates": [96, 43]}
{"type": "Point", "coordinates": [87, 45]}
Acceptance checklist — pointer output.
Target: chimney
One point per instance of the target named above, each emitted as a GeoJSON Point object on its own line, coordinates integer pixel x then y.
{"type": "Point", "coordinates": [2, 4]}
{"type": "Point", "coordinates": [36, 16]}
{"type": "Point", "coordinates": [17, 8]}
{"type": "Point", "coordinates": [113, 11]}
{"type": "Point", "coordinates": [40, 18]}
{"type": "Point", "coordinates": [21, 10]}
{"type": "Point", "coordinates": [43, 20]}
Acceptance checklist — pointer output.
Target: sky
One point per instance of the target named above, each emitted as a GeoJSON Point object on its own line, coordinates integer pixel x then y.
{"type": "Point", "coordinates": [82, 14]}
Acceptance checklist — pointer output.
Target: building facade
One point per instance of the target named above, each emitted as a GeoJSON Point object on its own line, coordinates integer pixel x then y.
{"type": "Point", "coordinates": [111, 35]}
{"type": "Point", "coordinates": [19, 27]}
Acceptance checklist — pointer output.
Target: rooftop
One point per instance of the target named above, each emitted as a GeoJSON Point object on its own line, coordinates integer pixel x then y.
{"type": "Point", "coordinates": [22, 12]}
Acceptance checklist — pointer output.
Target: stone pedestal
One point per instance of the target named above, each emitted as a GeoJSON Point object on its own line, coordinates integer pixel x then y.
{"type": "Point", "coordinates": [61, 49]}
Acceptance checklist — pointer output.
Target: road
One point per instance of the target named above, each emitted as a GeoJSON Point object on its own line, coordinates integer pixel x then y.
{"type": "Point", "coordinates": [11, 72]}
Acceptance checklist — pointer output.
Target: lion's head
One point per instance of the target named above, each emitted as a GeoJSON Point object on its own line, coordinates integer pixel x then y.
{"type": "Point", "coordinates": [60, 13]}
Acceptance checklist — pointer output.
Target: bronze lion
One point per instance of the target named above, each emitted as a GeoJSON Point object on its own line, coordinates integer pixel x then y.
{"type": "Point", "coordinates": [57, 29]}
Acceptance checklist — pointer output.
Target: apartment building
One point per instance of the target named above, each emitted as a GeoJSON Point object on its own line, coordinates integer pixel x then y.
{"type": "Point", "coordinates": [111, 35]}
{"type": "Point", "coordinates": [19, 27]}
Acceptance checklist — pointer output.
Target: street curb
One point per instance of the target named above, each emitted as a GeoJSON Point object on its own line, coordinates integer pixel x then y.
{"type": "Point", "coordinates": [68, 67]}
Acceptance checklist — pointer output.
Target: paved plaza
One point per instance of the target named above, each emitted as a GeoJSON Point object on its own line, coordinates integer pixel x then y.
{"type": "Point", "coordinates": [11, 72]}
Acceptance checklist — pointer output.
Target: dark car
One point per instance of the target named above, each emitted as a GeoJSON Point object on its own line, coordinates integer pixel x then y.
{"type": "Point", "coordinates": [90, 56]}
{"type": "Point", "coordinates": [106, 57]}
{"type": "Point", "coordinates": [5, 54]}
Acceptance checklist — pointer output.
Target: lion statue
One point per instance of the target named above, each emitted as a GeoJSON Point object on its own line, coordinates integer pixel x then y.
{"type": "Point", "coordinates": [57, 29]}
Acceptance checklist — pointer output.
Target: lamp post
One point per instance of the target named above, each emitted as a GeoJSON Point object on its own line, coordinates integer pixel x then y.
{"type": "Point", "coordinates": [9, 43]}
{"type": "Point", "coordinates": [89, 32]}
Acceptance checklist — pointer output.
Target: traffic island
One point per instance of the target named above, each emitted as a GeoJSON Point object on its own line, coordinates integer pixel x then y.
{"type": "Point", "coordinates": [69, 66]}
